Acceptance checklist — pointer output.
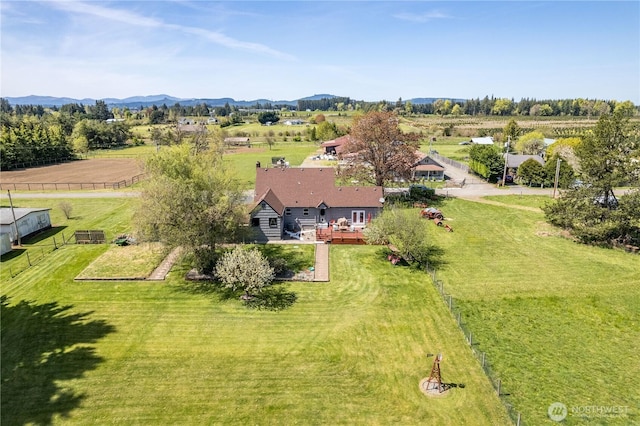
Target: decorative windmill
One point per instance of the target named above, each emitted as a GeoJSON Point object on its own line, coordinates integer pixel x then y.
{"type": "Point", "coordinates": [434, 382]}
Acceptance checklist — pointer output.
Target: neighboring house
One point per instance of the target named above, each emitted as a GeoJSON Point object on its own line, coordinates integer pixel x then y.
{"type": "Point", "coordinates": [30, 221]}
{"type": "Point", "coordinates": [296, 122]}
{"type": "Point", "coordinates": [427, 168]}
{"type": "Point", "coordinates": [487, 140]}
{"type": "Point", "coordinates": [335, 146]}
{"type": "Point", "coordinates": [292, 199]}
{"type": "Point", "coordinates": [212, 120]}
{"type": "Point", "coordinates": [515, 160]}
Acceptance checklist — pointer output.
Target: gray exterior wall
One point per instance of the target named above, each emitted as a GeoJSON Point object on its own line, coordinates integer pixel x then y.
{"type": "Point", "coordinates": [314, 215]}
{"type": "Point", "coordinates": [265, 232]}
{"type": "Point", "coordinates": [29, 224]}
{"type": "Point", "coordinates": [5, 243]}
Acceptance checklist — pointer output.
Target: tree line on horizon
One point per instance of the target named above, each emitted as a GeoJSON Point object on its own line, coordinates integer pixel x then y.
{"type": "Point", "coordinates": [487, 106]}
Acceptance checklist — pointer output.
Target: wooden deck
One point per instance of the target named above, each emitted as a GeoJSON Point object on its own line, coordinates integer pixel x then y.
{"type": "Point", "coordinates": [328, 235]}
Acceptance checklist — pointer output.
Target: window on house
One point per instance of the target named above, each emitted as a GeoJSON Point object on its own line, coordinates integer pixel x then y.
{"type": "Point", "coordinates": [305, 212]}
{"type": "Point", "coordinates": [255, 221]}
{"type": "Point", "coordinates": [273, 222]}
{"type": "Point", "coordinates": [322, 212]}
{"type": "Point", "coordinates": [287, 212]}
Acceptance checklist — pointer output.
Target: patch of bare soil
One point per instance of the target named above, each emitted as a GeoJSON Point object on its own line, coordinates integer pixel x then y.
{"type": "Point", "coordinates": [81, 171]}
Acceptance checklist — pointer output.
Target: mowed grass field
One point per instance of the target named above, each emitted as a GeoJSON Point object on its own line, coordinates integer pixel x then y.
{"type": "Point", "coordinates": [351, 351]}
{"type": "Point", "coordinates": [558, 321]}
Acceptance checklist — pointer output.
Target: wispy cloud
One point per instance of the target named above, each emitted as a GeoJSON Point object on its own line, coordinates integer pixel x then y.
{"type": "Point", "coordinates": [421, 17]}
{"type": "Point", "coordinates": [135, 19]}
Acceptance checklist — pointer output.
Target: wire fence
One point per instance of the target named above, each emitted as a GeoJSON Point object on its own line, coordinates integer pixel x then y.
{"type": "Point", "coordinates": [34, 254]}
{"type": "Point", "coordinates": [481, 356]}
{"type": "Point", "coordinates": [68, 186]}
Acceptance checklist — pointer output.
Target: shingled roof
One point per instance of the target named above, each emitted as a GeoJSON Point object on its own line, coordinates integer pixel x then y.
{"type": "Point", "coordinates": [310, 187]}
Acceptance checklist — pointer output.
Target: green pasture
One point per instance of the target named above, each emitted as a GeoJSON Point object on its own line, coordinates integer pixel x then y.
{"type": "Point", "coordinates": [351, 351]}
{"type": "Point", "coordinates": [139, 151]}
{"type": "Point", "coordinates": [243, 162]}
{"type": "Point", "coordinates": [558, 321]}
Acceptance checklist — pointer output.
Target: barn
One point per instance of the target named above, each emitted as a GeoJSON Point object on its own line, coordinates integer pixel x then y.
{"type": "Point", "coordinates": [29, 220]}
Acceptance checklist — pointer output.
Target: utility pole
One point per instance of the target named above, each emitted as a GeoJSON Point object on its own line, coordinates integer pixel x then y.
{"type": "Point", "coordinates": [555, 183]}
{"type": "Point", "coordinates": [506, 160]}
{"type": "Point", "coordinates": [15, 222]}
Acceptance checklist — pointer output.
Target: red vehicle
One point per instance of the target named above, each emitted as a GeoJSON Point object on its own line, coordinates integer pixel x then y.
{"type": "Point", "coordinates": [431, 213]}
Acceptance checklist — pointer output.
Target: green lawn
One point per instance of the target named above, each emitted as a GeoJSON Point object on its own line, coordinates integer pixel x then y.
{"type": "Point", "coordinates": [351, 351]}
{"type": "Point", "coordinates": [112, 215]}
{"type": "Point", "coordinates": [558, 321]}
{"type": "Point", "coordinates": [244, 163]}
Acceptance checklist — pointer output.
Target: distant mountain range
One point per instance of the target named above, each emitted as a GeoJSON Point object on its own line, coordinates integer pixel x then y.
{"type": "Point", "coordinates": [146, 101]}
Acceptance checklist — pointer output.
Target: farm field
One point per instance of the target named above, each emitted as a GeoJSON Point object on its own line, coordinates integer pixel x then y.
{"type": "Point", "coordinates": [100, 171]}
{"type": "Point", "coordinates": [351, 351]}
{"type": "Point", "coordinates": [558, 321]}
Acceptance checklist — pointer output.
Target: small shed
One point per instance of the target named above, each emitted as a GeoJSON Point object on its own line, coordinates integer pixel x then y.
{"type": "Point", "coordinates": [29, 220]}
{"type": "Point", "coordinates": [487, 140]}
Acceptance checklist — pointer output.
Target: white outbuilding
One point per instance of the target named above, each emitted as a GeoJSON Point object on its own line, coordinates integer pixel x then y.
{"type": "Point", "coordinates": [29, 221]}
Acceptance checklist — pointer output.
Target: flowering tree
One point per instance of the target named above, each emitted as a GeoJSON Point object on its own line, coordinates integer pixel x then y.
{"type": "Point", "coordinates": [247, 270]}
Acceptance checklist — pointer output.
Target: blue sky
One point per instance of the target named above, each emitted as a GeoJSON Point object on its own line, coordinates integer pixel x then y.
{"type": "Point", "coordinates": [287, 50]}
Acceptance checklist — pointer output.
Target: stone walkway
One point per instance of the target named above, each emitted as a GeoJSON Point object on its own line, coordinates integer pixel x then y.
{"type": "Point", "coordinates": [160, 273]}
{"type": "Point", "coordinates": [322, 263]}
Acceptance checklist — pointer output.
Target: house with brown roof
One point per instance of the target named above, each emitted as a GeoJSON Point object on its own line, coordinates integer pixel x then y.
{"type": "Point", "coordinates": [335, 146]}
{"type": "Point", "coordinates": [295, 199]}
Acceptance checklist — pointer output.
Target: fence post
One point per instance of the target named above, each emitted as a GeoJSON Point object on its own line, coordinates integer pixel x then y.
{"type": "Point", "coordinates": [499, 387]}
{"type": "Point", "coordinates": [450, 302]}
{"type": "Point", "coordinates": [518, 422]}
{"type": "Point", "coordinates": [54, 243]}
{"type": "Point", "coordinates": [64, 242]}
{"type": "Point", "coordinates": [483, 354]}
{"type": "Point", "coordinates": [458, 319]}
{"type": "Point", "coordinates": [470, 339]}
{"type": "Point", "coordinates": [28, 259]}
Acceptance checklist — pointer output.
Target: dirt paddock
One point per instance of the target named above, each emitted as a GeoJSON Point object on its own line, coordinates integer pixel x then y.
{"type": "Point", "coordinates": [95, 173]}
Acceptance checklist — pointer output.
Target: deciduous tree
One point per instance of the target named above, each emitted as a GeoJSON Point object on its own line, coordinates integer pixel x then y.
{"type": "Point", "coordinates": [246, 270]}
{"type": "Point", "coordinates": [380, 148]}
{"type": "Point", "coordinates": [592, 211]}
{"type": "Point", "coordinates": [530, 143]}
{"type": "Point", "coordinates": [190, 200]}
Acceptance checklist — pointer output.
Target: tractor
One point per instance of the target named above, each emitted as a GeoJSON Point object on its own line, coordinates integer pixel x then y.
{"type": "Point", "coordinates": [431, 213]}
